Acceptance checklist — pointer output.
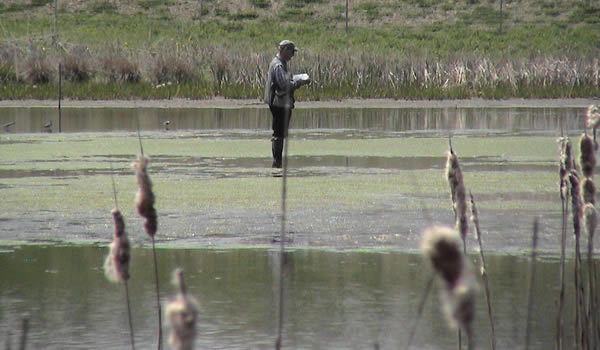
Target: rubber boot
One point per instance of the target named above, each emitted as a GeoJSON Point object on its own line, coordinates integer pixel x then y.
{"type": "Point", "coordinates": [277, 149]}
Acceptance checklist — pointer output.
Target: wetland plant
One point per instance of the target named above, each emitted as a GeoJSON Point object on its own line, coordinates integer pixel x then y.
{"type": "Point", "coordinates": [144, 202]}
{"type": "Point", "coordinates": [442, 246]}
{"type": "Point", "coordinates": [483, 270]}
{"type": "Point", "coordinates": [181, 314]}
{"type": "Point", "coordinates": [116, 264]}
{"type": "Point", "coordinates": [592, 120]}
{"type": "Point", "coordinates": [457, 194]}
{"type": "Point", "coordinates": [531, 282]}
{"type": "Point", "coordinates": [565, 167]}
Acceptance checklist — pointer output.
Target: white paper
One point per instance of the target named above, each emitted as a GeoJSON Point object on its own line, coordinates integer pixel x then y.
{"type": "Point", "coordinates": [302, 76]}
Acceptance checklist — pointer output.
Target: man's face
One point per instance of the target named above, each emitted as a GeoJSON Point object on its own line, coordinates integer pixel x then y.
{"type": "Point", "coordinates": [288, 52]}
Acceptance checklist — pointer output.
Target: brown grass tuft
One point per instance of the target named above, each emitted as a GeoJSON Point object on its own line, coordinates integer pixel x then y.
{"type": "Point", "coordinates": [77, 64]}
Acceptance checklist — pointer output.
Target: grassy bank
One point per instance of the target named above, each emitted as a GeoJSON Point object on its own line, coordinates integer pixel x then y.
{"type": "Point", "coordinates": [417, 49]}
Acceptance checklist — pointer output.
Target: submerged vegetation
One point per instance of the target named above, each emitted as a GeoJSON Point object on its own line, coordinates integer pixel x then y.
{"type": "Point", "coordinates": [393, 49]}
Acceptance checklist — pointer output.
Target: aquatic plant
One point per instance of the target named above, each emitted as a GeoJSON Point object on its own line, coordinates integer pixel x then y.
{"type": "Point", "coordinates": [144, 201]}
{"type": "Point", "coordinates": [590, 222]}
{"type": "Point", "coordinates": [116, 264]}
{"type": "Point", "coordinates": [565, 167]}
{"type": "Point", "coordinates": [483, 271]}
{"type": "Point", "coordinates": [441, 245]}
{"type": "Point", "coordinates": [181, 314]}
{"type": "Point", "coordinates": [592, 120]}
{"type": "Point", "coordinates": [457, 194]}
{"type": "Point", "coordinates": [531, 282]}
{"type": "Point", "coordinates": [587, 159]}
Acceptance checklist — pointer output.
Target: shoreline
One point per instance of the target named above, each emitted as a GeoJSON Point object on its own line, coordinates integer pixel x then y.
{"type": "Point", "coordinates": [219, 102]}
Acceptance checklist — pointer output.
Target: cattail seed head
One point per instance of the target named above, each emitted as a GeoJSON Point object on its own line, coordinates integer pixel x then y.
{"type": "Point", "coordinates": [592, 115]}
{"type": "Point", "coordinates": [460, 206]}
{"type": "Point", "coordinates": [442, 245]}
{"type": "Point", "coordinates": [459, 302]}
{"type": "Point", "coordinates": [453, 173]}
{"type": "Point", "coordinates": [588, 190]}
{"type": "Point", "coordinates": [116, 264]}
{"type": "Point", "coordinates": [590, 219]}
{"type": "Point", "coordinates": [144, 200]}
{"type": "Point", "coordinates": [576, 201]}
{"type": "Point", "coordinates": [181, 313]}
{"type": "Point", "coordinates": [587, 157]}
{"type": "Point", "coordinates": [565, 164]}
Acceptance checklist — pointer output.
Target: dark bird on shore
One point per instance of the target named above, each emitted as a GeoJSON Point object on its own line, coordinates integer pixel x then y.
{"type": "Point", "coordinates": [7, 126]}
{"type": "Point", "coordinates": [166, 124]}
{"type": "Point", "coordinates": [48, 126]}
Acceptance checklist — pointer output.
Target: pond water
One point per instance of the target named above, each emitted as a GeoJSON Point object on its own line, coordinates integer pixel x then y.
{"type": "Point", "coordinates": [333, 300]}
{"type": "Point", "coordinates": [362, 293]}
{"type": "Point", "coordinates": [511, 119]}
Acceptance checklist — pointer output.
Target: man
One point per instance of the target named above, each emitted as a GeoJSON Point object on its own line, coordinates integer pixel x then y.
{"type": "Point", "coordinates": [279, 95]}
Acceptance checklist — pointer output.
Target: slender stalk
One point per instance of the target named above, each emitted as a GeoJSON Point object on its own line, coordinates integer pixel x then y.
{"type": "Point", "coordinates": [129, 315]}
{"type": "Point", "coordinates": [424, 297]}
{"type": "Point", "coordinates": [282, 230]}
{"type": "Point", "coordinates": [137, 119]}
{"type": "Point", "coordinates": [484, 277]}
{"type": "Point", "coordinates": [24, 332]}
{"type": "Point", "coordinates": [561, 301]}
{"type": "Point", "coordinates": [160, 338]}
{"type": "Point", "coordinates": [112, 178]}
{"type": "Point", "coordinates": [531, 283]}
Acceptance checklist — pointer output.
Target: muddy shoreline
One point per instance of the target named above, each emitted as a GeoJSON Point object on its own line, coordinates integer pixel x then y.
{"type": "Point", "coordinates": [220, 102]}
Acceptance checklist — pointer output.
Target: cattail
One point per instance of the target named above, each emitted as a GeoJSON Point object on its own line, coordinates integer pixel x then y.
{"type": "Point", "coordinates": [453, 174]}
{"type": "Point", "coordinates": [116, 265]}
{"type": "Point", "coordinates": [592, 120]}
{"type": "Point", "coordinates": [144, 199]}
{"type": "Point", "coordinates": [565, 165]}
{"type": "Point", "coordinates": [590, 219]}
{"type": "Point", "coordinates": [458, 194]}
{"type": "Point", "coordinates": [588, 191]}
{"type": "Point", "coordinates": [587, 158]}
{"type": "Point", "coordinates": [181, 313]}
{"type": "Point", "coordinates": [442, 246]}
{"type": "Point", "coordinates": [592, 115]}
{"type": "Point", "coordinates": [576, 202]}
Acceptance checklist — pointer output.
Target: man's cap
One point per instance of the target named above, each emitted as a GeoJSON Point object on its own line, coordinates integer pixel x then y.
{"type": "Point", "coordinates": [285, 43]}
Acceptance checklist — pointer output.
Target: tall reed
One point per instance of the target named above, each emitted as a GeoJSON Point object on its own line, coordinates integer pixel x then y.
{"type": "Point", "coordinates": [181, 314]}
{"type": "Point", "coordinates": [483, 270]}
{"type": "Point", "coordinates": [116, 264]}
{"type": "Point", "coordinates": [144, 202]}
{"type": "Point", "coordinates": [577, 215]}
{"type": "Point", "coordinates": [565, 166]}
{"type": "Point", "coordinates": [442, 246]}
{"type": "Point", "coordinates": [531, 282]}
{"type": "Point", "coordinates": [592, 120]}
{"type": "Point", "coordinates": [457, 194]}
{"type": "Point", "coordinates": [590, 222]}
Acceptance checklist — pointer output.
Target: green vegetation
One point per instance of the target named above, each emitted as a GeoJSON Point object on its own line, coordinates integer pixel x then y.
{"type": "Point", "coordinates": [417, 49]}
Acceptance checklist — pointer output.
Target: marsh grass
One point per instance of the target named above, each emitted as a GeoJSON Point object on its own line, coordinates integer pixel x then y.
{"type": "Point", "coordinates": [228, 52]}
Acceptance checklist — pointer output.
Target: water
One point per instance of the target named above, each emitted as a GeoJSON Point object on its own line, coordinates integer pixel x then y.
{"type": "Point", "coordinates": [333, 300]}
{"type": "Point", "coordinates": [344, 299]}
{"type": "Point", "coordinates": [436, 120]}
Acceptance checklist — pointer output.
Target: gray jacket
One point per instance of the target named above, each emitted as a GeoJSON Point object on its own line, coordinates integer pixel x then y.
{"type": "Point", "coordinates": [279, 87]}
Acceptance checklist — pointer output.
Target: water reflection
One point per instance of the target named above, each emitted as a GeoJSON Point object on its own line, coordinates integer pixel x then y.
{"type": "Point", "coordinates": [44, 119]}
{"type": "Point", "coordinates": [342, 300]}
